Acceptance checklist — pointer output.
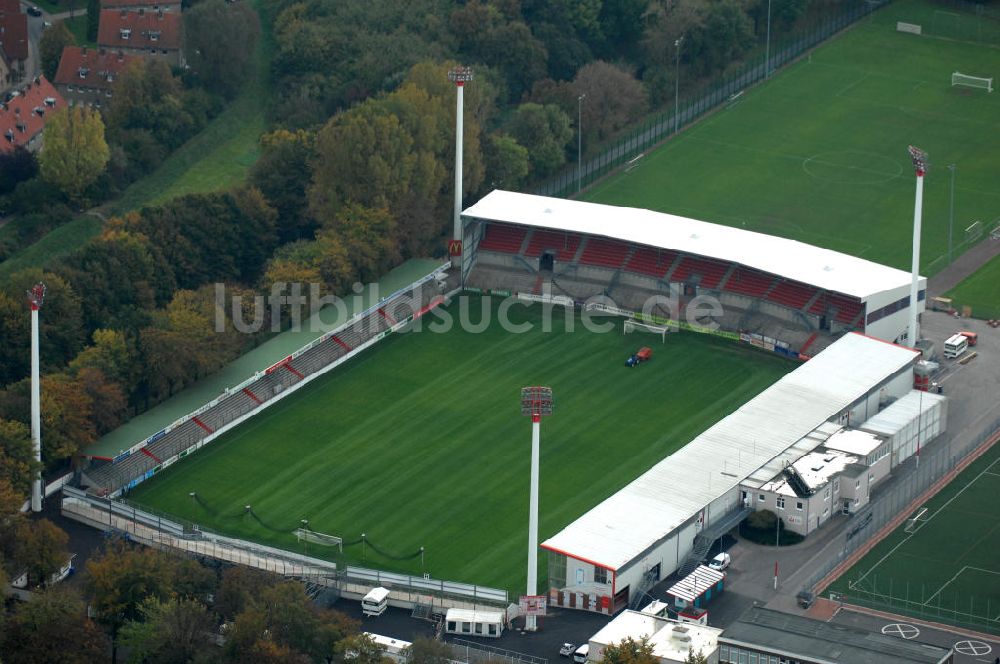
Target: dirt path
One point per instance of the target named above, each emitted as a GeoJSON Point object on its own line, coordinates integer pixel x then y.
{"type": "Point", "coordinates": [963, 267]}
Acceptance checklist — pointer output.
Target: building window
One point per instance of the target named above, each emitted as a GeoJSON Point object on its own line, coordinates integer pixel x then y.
{"type": "Point", "coordinates": [125, 33]}
{"type": "Point", "coordinates": [760, 497]}
{"type": "Point", "coordinates": [857, 484]}
{"type": "Point", "coordinates": [826, 510]}
{"type": "Point", "coordinates": [723, 653]}
{"type": "Point", "coordinates": [779, 502]}
{"type": "Point", "coordinates": [600, 575]}
{"type": "Point", "coordinates": [753, 658]}
{"type": "Point", "coordinates": [826, 494]}
{"type": "Point", "coordinates": [451, 626]}
{"type": "Point", "coordinates": [798, 505]}
{"type": "Point", "coordinates": [836, 486]}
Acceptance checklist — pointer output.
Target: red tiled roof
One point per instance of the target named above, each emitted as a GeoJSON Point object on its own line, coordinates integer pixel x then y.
{"type": "Point", "coordinates": [89, 67]}
{"type": "Point", "coordinates": [10, 7]}
{"type": "Point", "coordinates": [14, 35]}
{"type": "Point", "coordinates": [107, 4]}
{"type": "Point", "coordinates": [145, 30]}
{"type": "Point", "coordinates": [23, 117]}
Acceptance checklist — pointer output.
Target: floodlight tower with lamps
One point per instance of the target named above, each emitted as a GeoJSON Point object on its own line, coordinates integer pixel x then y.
{"type": "Point", "coordinates": [536, 402]}
{"type": "Point", "coordinates": [35, 298]}
{"type": "Point", "coordinates": [459, 76]}
{"type": "Point", "coordinates": [919, 158]}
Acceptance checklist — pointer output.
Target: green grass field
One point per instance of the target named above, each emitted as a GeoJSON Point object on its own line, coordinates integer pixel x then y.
{"type": "Point", "coordinates": [419, 442]}
{"type": "Point", "coordinates": [818, 153]}
{"type": "Point", "coordinates": [948, 568]}
{"type": "Point", "coordinates": [981, 291]}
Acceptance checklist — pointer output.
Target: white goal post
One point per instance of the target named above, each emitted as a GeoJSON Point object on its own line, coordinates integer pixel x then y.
{"type": "Point", "coordinates": [319, 538]}
{"type": "Point", "coordinates": [632, 325]}
{"type": "Point", "coordinates": [972, 81]}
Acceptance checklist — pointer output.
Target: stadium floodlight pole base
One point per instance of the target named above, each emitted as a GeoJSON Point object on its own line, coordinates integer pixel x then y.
{"type": "Point", "coordinates": [35, 297]}
{"type": "Point", "coordinates": [919, 158]}
{"type": "Point", "coordinates": [536, 402]}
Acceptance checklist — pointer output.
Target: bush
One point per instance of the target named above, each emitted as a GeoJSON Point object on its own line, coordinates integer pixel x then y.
{"type": "Point", "coordinates": [759, 529]}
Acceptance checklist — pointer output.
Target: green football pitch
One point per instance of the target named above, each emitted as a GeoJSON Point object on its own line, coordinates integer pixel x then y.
{"type": "Point", "coordinates": [419, 442]}
{"type": "Point", "coordinates": [819, 152]}
{"type": "Point", "coordinates": [981, 291]}
{"type": "Point", "coordinates": [943, 565]}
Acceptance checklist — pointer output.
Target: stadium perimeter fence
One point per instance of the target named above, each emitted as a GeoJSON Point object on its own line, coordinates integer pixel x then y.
{"type": "Point", "coordinates": [163, 531]}
{"type": "Point", "coordinates": [722, 90]}
{"type": "Point", "coordinates": [889, 505]}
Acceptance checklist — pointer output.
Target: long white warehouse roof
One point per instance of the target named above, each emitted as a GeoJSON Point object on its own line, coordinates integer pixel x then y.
{"type": "Point", "coordinates": [677, 488]}
{"type": "Point", "coordinates": [822, 268]}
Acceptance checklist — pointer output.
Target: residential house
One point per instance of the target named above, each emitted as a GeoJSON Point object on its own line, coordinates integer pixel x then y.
{"type": "Point", "coordinates": [22, 118]}
{"type": "Point", "coordinates": [150, 34]}
{"type": "Point", "coordinates": [13, 43]}
{"type": "Point", "coordinates": [148, 5]}
{"type": "Point", "coordinates": [86, 75]}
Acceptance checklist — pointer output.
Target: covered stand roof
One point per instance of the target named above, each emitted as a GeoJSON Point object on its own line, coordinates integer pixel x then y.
{"type": "Point", "coordinates": [822, 268]}
{"type": "Point", "coordinates": [677, 488]}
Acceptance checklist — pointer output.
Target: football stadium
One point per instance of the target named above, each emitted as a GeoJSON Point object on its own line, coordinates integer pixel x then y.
{"type": "Point", "coordinates": [395, 443]}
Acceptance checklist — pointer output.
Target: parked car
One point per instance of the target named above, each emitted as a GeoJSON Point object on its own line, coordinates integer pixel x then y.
{"type": "Point", "coordinates": [34, 11]}
{"type": "Point", "coordinates": [805, 599]}
{"type": "Point", "coordinates": [720, 561]}
{"type": "Point", "coordinates": [566, 649]}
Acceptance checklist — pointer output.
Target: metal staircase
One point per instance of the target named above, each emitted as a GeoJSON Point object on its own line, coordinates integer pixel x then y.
{"type": "Point", "coordinates": [703, 541]}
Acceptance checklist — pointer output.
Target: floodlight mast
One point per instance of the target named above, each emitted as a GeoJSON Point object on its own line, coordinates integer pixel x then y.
{"type": "Point", "coordinates": [35, 298]}
{"type": "Point", "coordinates": [537, 402]}
{"type": "Point", "coordinates": [919, 158]}
{"type": "Point", "coordinates": [459, 76]}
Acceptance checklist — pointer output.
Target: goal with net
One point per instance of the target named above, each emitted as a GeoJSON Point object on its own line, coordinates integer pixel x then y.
{"type": "Point", "coordinates": [632, 325]}
{"type": "Point", "coordinates": [972, 81]}
{"type": "Point", "coordinates": [302, 534]}
{"type": "Point", "coordinates": [914, 522]}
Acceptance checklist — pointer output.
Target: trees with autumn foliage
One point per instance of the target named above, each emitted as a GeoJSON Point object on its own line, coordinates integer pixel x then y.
{"type": "Point", "coordinates": [74, 153]}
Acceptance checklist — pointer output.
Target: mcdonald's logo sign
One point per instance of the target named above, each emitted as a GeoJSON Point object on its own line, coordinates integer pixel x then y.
{"type": "Point", "coordinates": [454, 247]}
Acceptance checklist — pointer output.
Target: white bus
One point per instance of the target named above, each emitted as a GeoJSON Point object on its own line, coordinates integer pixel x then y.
{"type": "Point", "coordinates": [956, 345]}
{"type": "Point", "coordinates": [375, 602]}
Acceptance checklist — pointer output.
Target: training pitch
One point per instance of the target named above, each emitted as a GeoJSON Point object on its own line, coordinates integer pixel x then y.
{"type": "Point", "coordinates": [943, 565]}
{"type": "Point", "coordinates": [819, 153]}
{"type": "Point", "coordinates": [419, 442]}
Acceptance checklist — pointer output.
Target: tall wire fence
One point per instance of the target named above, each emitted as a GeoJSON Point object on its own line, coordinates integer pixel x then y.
{"type": "Point", "coordinates": [724, 90]}
{"type": "Point", "coordinates": [883, 593]}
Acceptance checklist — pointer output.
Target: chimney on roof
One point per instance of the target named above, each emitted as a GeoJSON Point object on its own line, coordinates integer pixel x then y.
{"type": "Point", "coordinates": [142, 11]}
{"type": "Point", "coordinates": [121, 56]}
{"type": "Point", "coordinates": [159, 14]}
{"type": "Point", "coordinates": [83, 51]}
{"type": "Point", "coordinates": [124, 13]}
{"type": "Point", "coordinates": [102, 51]}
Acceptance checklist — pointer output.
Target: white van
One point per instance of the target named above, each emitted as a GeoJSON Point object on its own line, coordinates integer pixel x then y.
{"type": "Point", "coordinates": [375, 602]}
{"type": "Point", "coordinates": [720, 562]}
{"type": "Point", "coordinates": [580, 656]}
{"type": "Point", "coordinates": [956, 345]}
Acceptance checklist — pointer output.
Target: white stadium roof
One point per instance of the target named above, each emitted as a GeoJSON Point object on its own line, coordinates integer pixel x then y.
{"type": "Point", "coordinates": [822, 268]}
{"type": "Point", "coordinates": [677, 488]}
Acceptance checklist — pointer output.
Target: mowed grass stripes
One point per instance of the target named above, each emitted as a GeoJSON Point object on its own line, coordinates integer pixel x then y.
{"type": "Point", "coordinates": [819, 153]}
{"type": "Point", "coordinates": [420, 442]}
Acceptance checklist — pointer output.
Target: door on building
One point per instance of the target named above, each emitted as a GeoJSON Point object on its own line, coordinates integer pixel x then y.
{"type": "Point", "coordinates": [847, 506]}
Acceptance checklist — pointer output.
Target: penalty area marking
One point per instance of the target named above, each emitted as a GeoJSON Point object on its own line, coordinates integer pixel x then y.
{"type": "Point", "coordinates": [958, 574]}
{"type": "Point", "coordinates": [916, 530]}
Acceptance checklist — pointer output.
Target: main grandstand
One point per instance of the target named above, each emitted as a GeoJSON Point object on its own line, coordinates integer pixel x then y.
{"type": "Point", "coordinates": [802, 295]}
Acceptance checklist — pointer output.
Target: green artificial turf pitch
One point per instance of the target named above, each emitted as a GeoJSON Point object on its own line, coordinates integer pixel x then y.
{"type": "Point", "coordinates": [819, 153]}
{"type": "Point", "coordinates": [981, 291]}
{"type": "Point", "coordinates": [419, 441]}
{"type": "Point", "coordinates": [948, 568]}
